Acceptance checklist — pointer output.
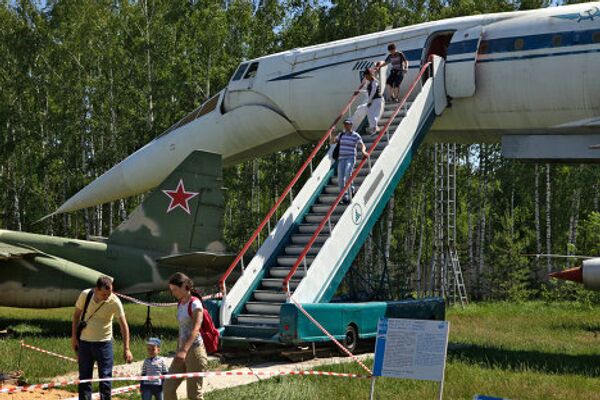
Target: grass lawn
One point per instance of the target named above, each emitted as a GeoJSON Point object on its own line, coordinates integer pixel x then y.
{"type": "Point", "coordinates": [520, 351]}
{"type": "Point", "coordinates": [50, 329]}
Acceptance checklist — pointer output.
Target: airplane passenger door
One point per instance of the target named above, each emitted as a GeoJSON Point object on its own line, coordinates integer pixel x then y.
{"type": "Point", "coordinates": [460, 62]}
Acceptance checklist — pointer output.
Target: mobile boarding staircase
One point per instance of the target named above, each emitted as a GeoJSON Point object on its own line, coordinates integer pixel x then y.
{"type": "Point", "coordinates": [314, 243]}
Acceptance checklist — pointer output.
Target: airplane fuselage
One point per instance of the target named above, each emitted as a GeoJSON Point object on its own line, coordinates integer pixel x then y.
{"type": "Point", "coordinates": [55, 276]}
{"type": "Point", "coordinates": [520, 73]}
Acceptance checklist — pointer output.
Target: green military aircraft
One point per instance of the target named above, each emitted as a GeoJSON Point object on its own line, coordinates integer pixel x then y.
{"type": "Point", "coordinates": [177, 228]}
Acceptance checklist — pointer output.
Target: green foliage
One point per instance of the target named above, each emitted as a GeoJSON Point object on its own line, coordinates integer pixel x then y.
{"type": "Point", "coordinates": [509, 273]}
{"type": "Point", "coordinates": [590, 232]}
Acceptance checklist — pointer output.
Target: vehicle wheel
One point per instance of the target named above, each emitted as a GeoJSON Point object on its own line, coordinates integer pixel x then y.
{"type": "Point", "coordinates": [350, 341]}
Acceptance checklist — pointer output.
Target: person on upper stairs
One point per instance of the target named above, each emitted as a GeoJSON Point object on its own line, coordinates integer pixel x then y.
{"type": "Point", "coordinates": [347, 140]}
{"type": "Point", "coordinates": [374, 104]}
{"type": "Point", "coordinates": [399, 68]}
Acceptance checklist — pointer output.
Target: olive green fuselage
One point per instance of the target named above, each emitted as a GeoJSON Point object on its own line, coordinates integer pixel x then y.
{"type": "Point", "coordinates": [60, 267]}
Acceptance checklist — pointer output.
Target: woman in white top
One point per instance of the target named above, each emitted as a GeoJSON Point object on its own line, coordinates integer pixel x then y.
{"type": "Point", "coordinates": [191, 354]}
{"type": "Point", "coordinates": [373, 107]}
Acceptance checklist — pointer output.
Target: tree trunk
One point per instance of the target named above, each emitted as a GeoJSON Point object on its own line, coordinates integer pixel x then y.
{"type": "Point", "coordinates": [122, 210]}
{"type": "Point", "coordinates": [148, 17]}
{"type": "Point", "coordinates": [469, 202]}
{"type": "Point", "coordinates": [111, 216]}
{"type": "Point", "coordinates": [548, 219]}
{"type": "Point", "coordinates": [596, 196]}
{"type": "Point", "coordinates": [388, 236]}
{"type": "Point", "coordinates": [99, 213]}
{"type": "Point", "coordinates": [573, 222]}
{"type": "Point", "coordinates": [420, 287]}
{"type": "Point", "coordinates": [86, 223]}
{"type": "Point", "coordinates": [538, 231]}
{"type": "Point", "coordinates": [208, 65]}
{"type": "Point", "coordinates": [482, 215]}
{"type": "Point", "coordinates": [16, 205]}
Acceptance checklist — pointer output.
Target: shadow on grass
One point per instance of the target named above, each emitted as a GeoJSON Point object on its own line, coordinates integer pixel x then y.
{"type": "Point", "coordinates": [577, 326]}
{"type": "Point", "coordinates": [36, 327]}
{"type": "Point", "coordinates": [525, 360]}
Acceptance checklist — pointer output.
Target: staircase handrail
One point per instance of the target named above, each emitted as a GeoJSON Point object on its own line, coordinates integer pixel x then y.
{"type": "Point", "coordinates": [287, 190]}
{"type": "Point", "coordinates": [302, 256]}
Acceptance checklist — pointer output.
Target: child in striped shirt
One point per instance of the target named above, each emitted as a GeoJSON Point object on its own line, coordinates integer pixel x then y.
{"type": "Point", "coordinates": [153, 365]}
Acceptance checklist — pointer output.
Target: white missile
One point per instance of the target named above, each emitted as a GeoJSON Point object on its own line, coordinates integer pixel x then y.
{"type": "Point", "coordinates": [588, 274]}
{"type": "Point", "coordinates": [497, 73]}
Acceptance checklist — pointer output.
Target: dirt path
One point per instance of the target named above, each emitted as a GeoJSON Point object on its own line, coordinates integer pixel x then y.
{"type": "Point", "coordinates": [224, 382]}
{"type": "Point", "coordinates": [51, 394]}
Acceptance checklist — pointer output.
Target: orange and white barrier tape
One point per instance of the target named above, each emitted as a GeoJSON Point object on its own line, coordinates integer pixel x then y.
{"type": "Point", "coordinates": [330, 336]}
{"type": "Point", "coordinates": [150, 304]}
{"type": "Point", "coordinates": [204, 374]}
{"type": "Point", "coordinates": [144, 303]}
{"type": "Point", "coordinates": [27, 346]}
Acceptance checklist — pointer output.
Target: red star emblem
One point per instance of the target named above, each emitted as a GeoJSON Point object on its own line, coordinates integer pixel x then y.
{"type": "Point", "coordinates": [180, 198]}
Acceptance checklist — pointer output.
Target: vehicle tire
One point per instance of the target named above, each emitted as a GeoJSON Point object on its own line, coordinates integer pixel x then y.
{"type": "Point", "coordinates": [350, 341]}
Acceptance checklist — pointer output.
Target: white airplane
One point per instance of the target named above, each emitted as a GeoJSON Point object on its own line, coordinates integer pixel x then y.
{"type": "Point", "coordinates": [529, 79]}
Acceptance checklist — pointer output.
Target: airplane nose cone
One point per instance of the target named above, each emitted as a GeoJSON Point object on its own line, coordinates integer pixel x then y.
{"type": "Point", "coordinates": [141, 171]}
{"type": "Point", "coordinates": [571, 274]}
{"type": "Point", "coordinates": [105, 188]}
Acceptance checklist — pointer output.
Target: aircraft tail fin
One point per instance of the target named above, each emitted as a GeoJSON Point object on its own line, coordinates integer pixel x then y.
{"type": "Point", "coordinates": [183, 214]}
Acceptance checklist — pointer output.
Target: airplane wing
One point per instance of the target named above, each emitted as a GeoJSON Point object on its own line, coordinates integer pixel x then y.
{"type": "Point", "coordinates": [13, 252]}
{"type": "Point", "coordinates": [198, 258]}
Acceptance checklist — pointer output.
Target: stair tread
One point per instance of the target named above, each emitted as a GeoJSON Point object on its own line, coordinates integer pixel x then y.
{"type": "Point", "coordinates": [293, 280]}
{"type": "Point", "coordinates": [253, 315]}
{"type": "Point", "coordinates": [256, 327]}
{"type": "Point", "coordinates": [300, 246]}
{"type": "Point", "coordinates": [270, 291]}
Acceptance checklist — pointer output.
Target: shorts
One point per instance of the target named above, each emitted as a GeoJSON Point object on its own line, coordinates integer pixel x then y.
{"type": "Point", "coordinates": [395, 78]}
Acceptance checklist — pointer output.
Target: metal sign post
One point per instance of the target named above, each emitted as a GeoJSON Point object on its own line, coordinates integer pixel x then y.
{"type": "Point", "coordinates": [373, 378]}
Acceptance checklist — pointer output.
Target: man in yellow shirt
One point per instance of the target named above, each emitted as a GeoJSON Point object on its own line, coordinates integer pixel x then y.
{"type": "Point", "coordinates": [93, 320]}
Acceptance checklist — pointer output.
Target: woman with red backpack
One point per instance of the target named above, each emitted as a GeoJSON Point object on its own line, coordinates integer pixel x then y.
{"type": "Point", "coordinates": [191, 354]}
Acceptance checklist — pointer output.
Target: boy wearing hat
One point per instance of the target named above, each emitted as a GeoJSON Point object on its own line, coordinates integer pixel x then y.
{"type": "Point", "coordinates": [153, 365]}
{"type": "Point", "coordinates": [348, 140]}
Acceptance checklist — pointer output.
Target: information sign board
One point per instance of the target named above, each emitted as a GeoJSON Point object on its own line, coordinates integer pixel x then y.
{"type": "Point", "coordinates": [412, 349]}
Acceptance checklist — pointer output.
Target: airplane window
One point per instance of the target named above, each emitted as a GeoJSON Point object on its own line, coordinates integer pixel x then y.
{"type": "Point", "coordinates": [576, 38]}
{"type": "Point", "coordinates": [484, 47]}
{"type": "Point", "coordinates": [251, 73]}
{"type": "Point", "coordinates": [240, 72]}
{"type": "Point", "coordinates": [519, 43]}
{"type": "Point", "coordinates": [596, 37]}
{"type": "Point", "coordinates": [556, 39]}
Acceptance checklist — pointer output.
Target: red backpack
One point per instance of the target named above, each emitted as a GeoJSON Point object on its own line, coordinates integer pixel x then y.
{"type": "Point", "coordinates": [210, 334]}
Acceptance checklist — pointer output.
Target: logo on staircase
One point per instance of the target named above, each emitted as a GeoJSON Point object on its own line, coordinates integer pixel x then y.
{"type": "Point", "coordinates": [357, 213]}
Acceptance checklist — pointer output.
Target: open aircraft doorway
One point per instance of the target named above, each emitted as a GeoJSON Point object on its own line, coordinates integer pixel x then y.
{"type": "Point", "coordinates": [437, 44]}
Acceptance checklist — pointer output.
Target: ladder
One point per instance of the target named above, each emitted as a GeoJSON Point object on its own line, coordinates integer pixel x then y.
{"type": "Point", "coordinates": [446, 260]}
{"type": "Point", "coordinates": [460, 289]}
